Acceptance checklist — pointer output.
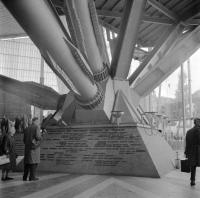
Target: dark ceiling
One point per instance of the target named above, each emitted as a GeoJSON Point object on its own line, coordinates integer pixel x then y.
{"type": "Point", "coordinates": [159, 15]}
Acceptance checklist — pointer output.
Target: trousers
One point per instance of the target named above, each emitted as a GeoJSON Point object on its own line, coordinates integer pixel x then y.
{"type": "Point", "coordinates": [30, 169]}
{"type": "Point", "coordinates": [193, 173]}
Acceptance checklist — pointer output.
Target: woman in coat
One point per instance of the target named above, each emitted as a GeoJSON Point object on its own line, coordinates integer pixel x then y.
{"type": "Point", "coordinates": [9, 150]}
{"type": "Point", "coordinates": [192, 149]}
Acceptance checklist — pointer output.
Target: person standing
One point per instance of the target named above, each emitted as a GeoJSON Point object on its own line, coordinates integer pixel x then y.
{"type": "Point", "coordinates": [4, 125]}
{"type": "Point", "coordinates": [192, 148]}
{"type": "Point", "coordinates": [9, 150]}
{"type": "Point", "coordinates": [32, 138]}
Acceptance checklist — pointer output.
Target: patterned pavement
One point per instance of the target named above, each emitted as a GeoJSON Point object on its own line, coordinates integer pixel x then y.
{"type": "Point", "coordinates": [173, 185]}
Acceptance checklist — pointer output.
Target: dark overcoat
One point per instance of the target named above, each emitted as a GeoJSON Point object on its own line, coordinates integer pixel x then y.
{"type": "Point", "coordinates": [10, 151]}
{"type": "Point", "coordinates": [31, 134]}
{"type": "Point", "coordinates": [192, 148]}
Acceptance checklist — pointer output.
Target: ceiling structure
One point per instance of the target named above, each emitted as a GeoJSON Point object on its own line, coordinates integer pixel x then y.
{"type": "Point", "coordinates": [167, 29]}
{"type": "Point", "coordinates": [157, 17]}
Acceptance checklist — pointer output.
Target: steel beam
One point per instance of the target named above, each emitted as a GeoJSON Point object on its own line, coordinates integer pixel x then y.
{"type": "Point", "coordinates": [192, 11]}
{"type": "Point", "coordinates": [160, 7]}
{"type": "Point", "coordinates": [12, 36]}
{"type": "Point", "coordinates": [164, 44]}
{"type": "Point", "coordinates": [184, 48]}
{"type": "Point", "coordinates": [145, 18]}
{"type": "Point", "coordinates": [156, 20]}
{"type": "Point", "coordinates": [108, 26]}
{"type": "Point", "coordinates": [109, 13]}
{"type": "Point", "coordinates": [192, 22]}
{"type": "Point", "coordinates": [127, 38]}
{"type": "Point", "coordinates": [58, 4]}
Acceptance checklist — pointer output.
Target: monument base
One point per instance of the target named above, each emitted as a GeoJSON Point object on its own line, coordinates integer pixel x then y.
{"type": "Point", "coordinates": [105, 149]}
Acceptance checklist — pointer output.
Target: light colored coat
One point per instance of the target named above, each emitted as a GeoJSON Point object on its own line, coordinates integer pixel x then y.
{"type": "Point", "coordinates": [31, 156]}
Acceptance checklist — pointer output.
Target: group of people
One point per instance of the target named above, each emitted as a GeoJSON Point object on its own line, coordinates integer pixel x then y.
{"type": "Point", "coordinates": [7, 147]}
{"type": "Point", "coordinates": [33, 136]}
{"type": "Point", "coordinates": [32, 139]}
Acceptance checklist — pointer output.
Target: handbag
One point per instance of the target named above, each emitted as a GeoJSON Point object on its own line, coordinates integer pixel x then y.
{"type": "Point", "coordinates": [4, 159]}
{"type": "Point", "coordinates": [185, 166]}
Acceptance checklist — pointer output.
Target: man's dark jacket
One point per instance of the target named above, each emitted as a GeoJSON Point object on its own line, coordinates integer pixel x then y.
{"type": "Point", "coordinates": [192, 149]}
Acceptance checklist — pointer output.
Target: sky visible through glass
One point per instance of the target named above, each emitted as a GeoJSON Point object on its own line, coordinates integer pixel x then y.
{"type": "Point", "coordinates": [169, 86]}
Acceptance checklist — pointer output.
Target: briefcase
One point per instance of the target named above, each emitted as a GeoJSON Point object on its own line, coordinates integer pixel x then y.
{"type": "Point", "coordinates": [185, 166]}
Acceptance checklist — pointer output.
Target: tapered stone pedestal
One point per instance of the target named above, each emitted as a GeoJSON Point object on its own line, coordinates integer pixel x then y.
{"type": "Point", "coordinates": [106, 149]}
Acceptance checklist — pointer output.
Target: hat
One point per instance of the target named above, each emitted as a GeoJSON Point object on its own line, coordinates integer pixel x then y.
{"type": "Point", "coordinates": [196, 119]}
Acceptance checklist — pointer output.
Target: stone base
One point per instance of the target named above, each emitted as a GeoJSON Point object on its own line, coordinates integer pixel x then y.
{"type": "Point", "coordinates": [106, 149]}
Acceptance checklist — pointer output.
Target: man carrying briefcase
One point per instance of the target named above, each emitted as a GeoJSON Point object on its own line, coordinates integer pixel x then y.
{"type": "Point", "coordinates": [192, 149]}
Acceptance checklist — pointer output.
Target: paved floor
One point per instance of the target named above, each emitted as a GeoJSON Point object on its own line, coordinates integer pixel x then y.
{"type": "Point", "coordinates": [173, 185]}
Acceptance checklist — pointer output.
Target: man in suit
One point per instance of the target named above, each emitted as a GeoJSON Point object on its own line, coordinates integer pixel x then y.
{"type": "Point", "coordinates": [192, 151]}
{"type": "Point", "coordinates": [32, 138]}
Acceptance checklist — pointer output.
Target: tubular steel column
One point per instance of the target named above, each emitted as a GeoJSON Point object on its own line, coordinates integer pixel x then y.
{"type": "Point", "coordinates": [42, 24]}
{"type": "Point", "coordinates": [86, 35]}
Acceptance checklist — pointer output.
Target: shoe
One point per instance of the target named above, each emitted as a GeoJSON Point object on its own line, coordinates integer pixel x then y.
{"type": "Point", "coordinates": [33, 179]}
{"type": "Point", "coordinates": [9, 178]}
{"type": "Point", "coordinates": [3, 179]}
{"type": "Point", "coordinates": [24, 178]}
{"type": "Point", "coordinates": [192, 183]}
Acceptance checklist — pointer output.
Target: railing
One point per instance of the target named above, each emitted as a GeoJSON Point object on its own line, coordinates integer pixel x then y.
{"type": "Point", "coordinates": [176, 144]}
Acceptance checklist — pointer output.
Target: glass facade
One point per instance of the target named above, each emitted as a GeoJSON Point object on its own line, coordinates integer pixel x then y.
{"type": "Point", "coordinates": [20, 59]}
